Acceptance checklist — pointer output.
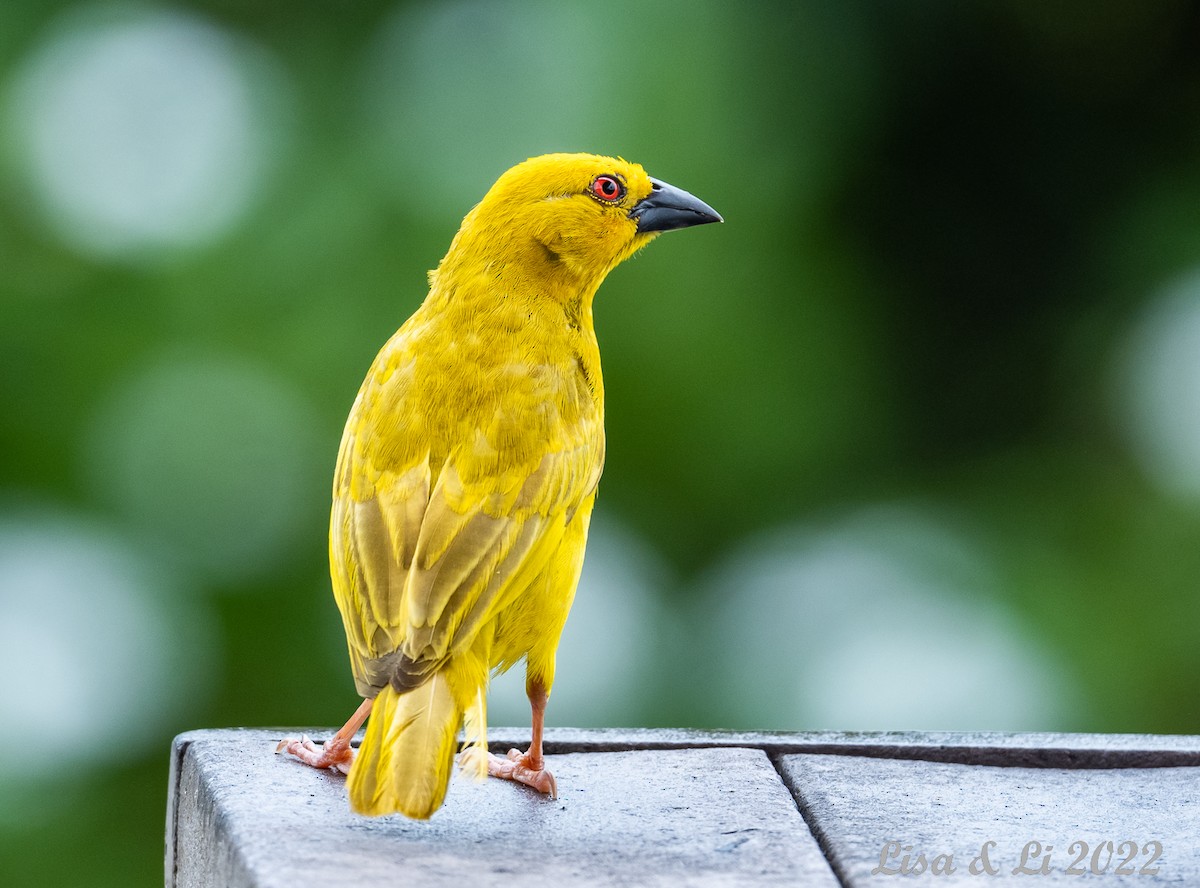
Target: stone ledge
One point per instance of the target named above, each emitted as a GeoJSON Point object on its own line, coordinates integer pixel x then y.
{"type": "Point", "coordinates": [653, 807]}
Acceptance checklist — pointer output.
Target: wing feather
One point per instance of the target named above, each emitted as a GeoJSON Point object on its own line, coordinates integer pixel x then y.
{"type": "Point", "coordinates": [419, 571]}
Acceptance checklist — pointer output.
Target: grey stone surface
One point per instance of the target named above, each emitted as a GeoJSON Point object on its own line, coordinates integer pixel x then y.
{"type": "Point", "coordinates": [238, 815]}
{"type": "Point", "coordinates": [857, 805]}
{"type": "Point", "coordinates": [665, 807]}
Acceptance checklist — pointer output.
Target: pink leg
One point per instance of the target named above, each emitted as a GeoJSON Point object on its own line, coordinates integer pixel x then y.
{"type": "Point", "coordinates": [528, 767]}
{"type": "Point", "coordinates": [336, 752]}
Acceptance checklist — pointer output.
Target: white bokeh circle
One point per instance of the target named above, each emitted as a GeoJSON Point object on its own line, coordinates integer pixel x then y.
{"type": "Point", "coordinates": [889, 619]}
{"type": "Point", "coordinates": [143, 129]}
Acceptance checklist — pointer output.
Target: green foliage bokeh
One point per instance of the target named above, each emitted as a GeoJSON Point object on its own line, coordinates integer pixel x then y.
{"type": "Point", "coordinates": [943, 220]}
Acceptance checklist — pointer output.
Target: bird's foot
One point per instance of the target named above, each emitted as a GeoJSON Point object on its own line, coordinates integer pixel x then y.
{"type": "Point", "coordinates": [336, 753]}
{"type": "Point", "coordinates": [524, 768]}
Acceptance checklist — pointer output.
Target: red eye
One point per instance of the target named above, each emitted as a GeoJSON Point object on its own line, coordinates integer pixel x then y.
{"type": "Point", "coordinates": [607, 188]}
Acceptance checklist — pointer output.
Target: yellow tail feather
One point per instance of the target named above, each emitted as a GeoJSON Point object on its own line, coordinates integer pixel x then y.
{"type": "Point", "coordinates": [406, 757]}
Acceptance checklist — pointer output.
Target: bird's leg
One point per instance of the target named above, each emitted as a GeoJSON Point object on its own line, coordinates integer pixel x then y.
{"type": "Point", "coordinates": [528, 767]}
{"type": "Point", "coordinates": [335, 752]}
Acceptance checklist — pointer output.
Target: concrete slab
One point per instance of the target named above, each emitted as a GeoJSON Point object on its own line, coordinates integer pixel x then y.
{"type": "Point", "coordinates": [1041, 826]}
{"type": "Point", "coordinates": [241, 816]}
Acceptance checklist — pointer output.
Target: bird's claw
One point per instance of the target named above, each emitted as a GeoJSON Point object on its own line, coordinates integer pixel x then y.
{"type": "Point", "coordinates": [333, 754]}
{"type": "Point", "coordinates": [291, 744]}
{"type": "Point", "coordinates": [522, 768]}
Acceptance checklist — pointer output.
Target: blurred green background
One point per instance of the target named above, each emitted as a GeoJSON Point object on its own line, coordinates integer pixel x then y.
{"type": "Point", "coordinates": [911, 442]}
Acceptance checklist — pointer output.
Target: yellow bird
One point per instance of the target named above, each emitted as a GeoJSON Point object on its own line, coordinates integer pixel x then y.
{"type": "Point", "coordinates": [467, 473]}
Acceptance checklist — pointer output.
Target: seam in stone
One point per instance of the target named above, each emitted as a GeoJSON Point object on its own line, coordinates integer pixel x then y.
{"type": "Point", "coordinates": [810, 820]}
{"type": "Point", "coordinates": [998, 757]}
{"type": "Point", "coordinates": [989, 756]}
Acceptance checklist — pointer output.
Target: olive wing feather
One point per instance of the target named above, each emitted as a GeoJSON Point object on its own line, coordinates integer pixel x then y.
{"type": "Point", "coordinates": [424, 559]}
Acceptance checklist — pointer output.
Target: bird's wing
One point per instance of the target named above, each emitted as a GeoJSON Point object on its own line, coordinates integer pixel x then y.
{"type": "Point", "coordinates": [421, 561]}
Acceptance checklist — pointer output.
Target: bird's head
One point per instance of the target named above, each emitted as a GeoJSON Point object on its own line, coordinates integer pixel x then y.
{"type": "Point", "coordinates": [574, 216]}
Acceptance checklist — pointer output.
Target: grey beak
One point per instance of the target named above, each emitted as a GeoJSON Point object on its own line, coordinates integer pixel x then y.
{"type": "Point", "coordinates": [669, 207]}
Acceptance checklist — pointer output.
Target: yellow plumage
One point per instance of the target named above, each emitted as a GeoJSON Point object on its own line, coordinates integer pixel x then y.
{"type": "Point", "coordinates": [469, 465]}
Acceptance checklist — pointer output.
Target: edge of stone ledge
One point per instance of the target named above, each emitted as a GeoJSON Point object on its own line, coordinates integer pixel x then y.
{"type": "Point", "coordinates": [179, 747]}
{"type": "Point", "coordinates": [1027, 749]}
